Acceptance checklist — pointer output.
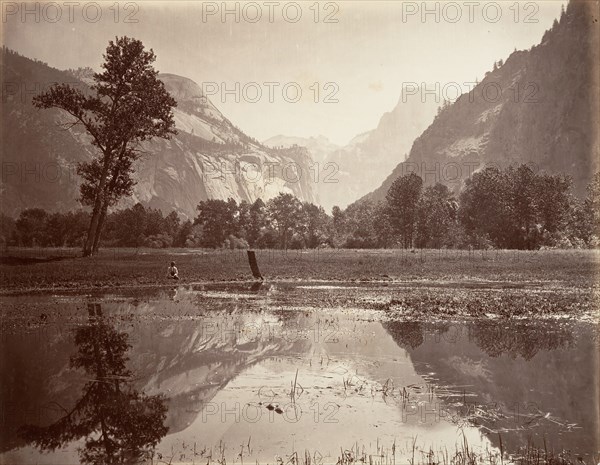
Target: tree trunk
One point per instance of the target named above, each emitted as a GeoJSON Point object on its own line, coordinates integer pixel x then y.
{"type": "Point", "coordinates": [98, 205]}
{"type": "Point", "coordinates": [99, 228]}
{"type": "Point", "coordinates": [89, 241]}
{"type": "Point", "coordinates": [108, 190]}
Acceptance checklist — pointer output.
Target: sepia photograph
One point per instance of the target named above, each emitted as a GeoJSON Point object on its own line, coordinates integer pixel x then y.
{"type": "Point", "coordinates": [313, 232]}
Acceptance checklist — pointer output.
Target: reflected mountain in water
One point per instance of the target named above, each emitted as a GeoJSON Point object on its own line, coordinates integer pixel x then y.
{"type": "Point", "coordinates": [214, 351]}
{"type": "Point", "coordinates": [119, 424]}
{"type": "Point", "coordinates": [191, 361]}
{"type": "Point", "coordinates": [525, 382]}
{"type": "Point", "coordinates": [187, 360]}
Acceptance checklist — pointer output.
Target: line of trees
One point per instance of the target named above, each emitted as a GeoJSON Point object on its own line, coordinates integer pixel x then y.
{"type": "Point", "coordinates": [280, 223]}
{"type": "Point", "coordinates": [513, 208]}
{"type": "Point", "coordinates": [283, 222]}
{"type": "Point", "coordinates": [131, 227]}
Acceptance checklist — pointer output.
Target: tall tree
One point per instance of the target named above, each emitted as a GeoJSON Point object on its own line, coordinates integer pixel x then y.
{"type": "Point", "coordinates": [31, 227]}
{"type": "Point", "coordinates": [56, 229]}
{"type": "Point", "coordinates": [8, 229]}
{"type": "Point", "coordinates": [131, 226]}
{"type": "Point", "coordinates": [554, 201]}
{"type": "Point", "coordinates": [522, 201]}
{"type": "Point", "coordinates": [316, 225]}
{"type": "Point", "coordinates": [256, 221]}
{"type": "Point", "coordinates": [403, 198]}
{"type": "Point", "coordinates": [242, 219]}
{"type": "Point", "coordinates": [285, 211]}
{"type": "Point", "coordinates": [358, 227]}
{"type": "Point", "coordinates": [180, 238]}
{"type": "Point", "coordinates": [484, 212]}
{"type": "Point", "coordinates": [337, 217]}
{"type": "Point", "coordinates": [171, 224]}
{"type": "Point", "coordinates": [127, 105]}
{"type": "Point", "coordinates": [436, 214]}
{"type": "Point", "coordinates": [382, 227]}
{"type": "Point", "coordinates": [218, 221]}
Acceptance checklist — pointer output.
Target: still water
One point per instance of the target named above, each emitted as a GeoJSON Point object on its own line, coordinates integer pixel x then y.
{"type": "Point", "coordinates": [237, 373]}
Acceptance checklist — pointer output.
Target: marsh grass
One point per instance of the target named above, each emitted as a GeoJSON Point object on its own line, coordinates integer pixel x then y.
{"type": "Point", "coordinates": [462, 453]}
{"type": "Point", "coordinates": [38, 269]}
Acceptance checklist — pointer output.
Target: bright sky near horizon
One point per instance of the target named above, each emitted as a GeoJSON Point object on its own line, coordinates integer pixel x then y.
{"type": "Point", "coordinates": [254, 57]}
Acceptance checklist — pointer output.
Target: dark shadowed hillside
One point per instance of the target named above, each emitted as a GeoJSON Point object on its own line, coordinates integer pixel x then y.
{"type": "Point", "coordinates": [539, 106]}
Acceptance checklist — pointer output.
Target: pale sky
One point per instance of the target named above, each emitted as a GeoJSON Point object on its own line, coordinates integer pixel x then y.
{"type": "Point", "coordinates": [366, 56]}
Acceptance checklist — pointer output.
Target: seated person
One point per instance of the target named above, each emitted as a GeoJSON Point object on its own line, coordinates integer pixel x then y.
{"type": "Point", "coordinates": [172, 272]}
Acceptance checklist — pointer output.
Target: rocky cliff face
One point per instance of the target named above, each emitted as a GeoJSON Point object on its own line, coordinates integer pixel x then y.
{"type": "Point", "coordinates": [539, 107]}
{"type": "Point", "coordinates": [319, 147]}
{"type": "Point", "coordinates": [212, 159]}
{"type": "Point", "coordinates": [209, 158]}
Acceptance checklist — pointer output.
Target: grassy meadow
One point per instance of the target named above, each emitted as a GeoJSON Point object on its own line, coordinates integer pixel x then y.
{"type": "Point", "coordinates": [26, 270]}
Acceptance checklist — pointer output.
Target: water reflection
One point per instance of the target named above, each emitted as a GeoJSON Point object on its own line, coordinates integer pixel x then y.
{"type": "Point", "coordinates": [407, 334]}
{"type": "Point", "coordinates": [520, 382]}
{"type": "Point", "coordinates": [520, 339]}
{"type": "Point", "coordinates": [118, 423]}
{"type": "Point", "coordinates": [495, 338]}
{"type": "Point", "coordinates": [222, 356]}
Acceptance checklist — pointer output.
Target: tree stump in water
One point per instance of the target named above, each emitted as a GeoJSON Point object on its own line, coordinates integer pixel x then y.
{"type": "Point", "coordinates": [254, 264]}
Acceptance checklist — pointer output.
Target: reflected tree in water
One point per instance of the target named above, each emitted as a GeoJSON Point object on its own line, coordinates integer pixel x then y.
{"type": "Point", "coordinates": [520, 339]}
{"type": "Point", "coordinates": [492, 337]}
{"type": "Point", "coordinates": [119, 424]}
